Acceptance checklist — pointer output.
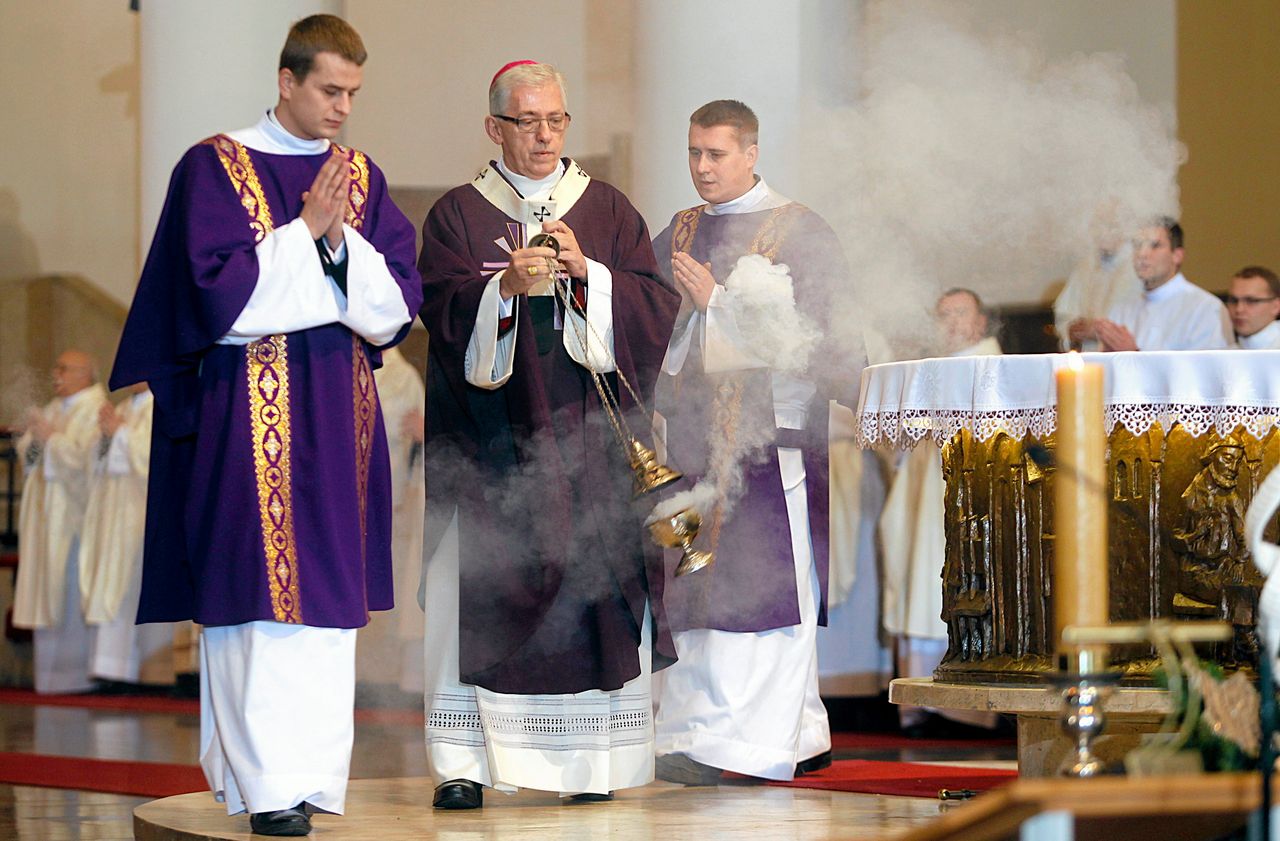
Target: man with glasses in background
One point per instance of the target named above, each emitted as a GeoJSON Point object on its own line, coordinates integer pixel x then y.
{"type": "Point", "coordinates": [1254, 305]}
{"type": "Point", "coordinates": [544, 611]}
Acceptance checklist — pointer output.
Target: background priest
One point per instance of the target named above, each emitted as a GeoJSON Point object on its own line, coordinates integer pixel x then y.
{"type": "Point", "coordinates": [57, 451]}
{"type": "Point", "coordinates": [1172, 312]}
{"type": "Point", "coordinates": [125, 654]}
{"type": "Point", "coordinates": [541, 610]}
{"type": "Point", "coordinates": [744, 695]}
{"type": "Point", "coordinates": [279, 268]}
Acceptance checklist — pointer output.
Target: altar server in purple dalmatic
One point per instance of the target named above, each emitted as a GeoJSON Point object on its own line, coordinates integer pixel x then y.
{"type": "Point", "coordinates": [543, 620]}
{"type": "Point", "coordinates": [744, 695]}
{"type": "Point", "coordinates": [279, 269]}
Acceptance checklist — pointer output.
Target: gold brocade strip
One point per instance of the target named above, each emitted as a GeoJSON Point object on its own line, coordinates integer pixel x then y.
{"type": "Point", "coordinates": [769, 238]}
{"type": "Point", "coordinates": [268, 379]}
{"type": "Point", "coordinates": [365, 405]}
{"type": "Point", "coordinates": [727, 406]}
{"type": "Point", "coordinates": [686, 229]}
{"type": "Point", "coordinates": [358, 194]}
{"type": "Point", "coordinates": [244, 180]}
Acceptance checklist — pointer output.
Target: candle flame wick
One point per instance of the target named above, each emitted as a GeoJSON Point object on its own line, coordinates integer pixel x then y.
{"type": "Point", "coordinates": [1075, 361]}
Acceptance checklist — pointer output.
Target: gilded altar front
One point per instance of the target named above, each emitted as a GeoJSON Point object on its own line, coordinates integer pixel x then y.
{"type": "Point", "coordinates": [1176, 544]}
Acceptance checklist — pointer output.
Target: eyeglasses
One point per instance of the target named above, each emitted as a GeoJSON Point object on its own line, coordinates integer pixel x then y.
{"type": "Point", "coordinates": [556, 122]}
{"type": "Point", "coordinates": [1232, 300]}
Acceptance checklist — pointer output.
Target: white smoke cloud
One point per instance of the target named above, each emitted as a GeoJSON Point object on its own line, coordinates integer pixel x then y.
{"type": "Point", "coordinates": [762, 299]}
{"type": "Point", "coordinates": [971, 160]}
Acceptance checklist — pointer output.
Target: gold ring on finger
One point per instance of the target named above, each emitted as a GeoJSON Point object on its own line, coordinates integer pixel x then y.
{"type": "Point", "coordinates": [533, 270]}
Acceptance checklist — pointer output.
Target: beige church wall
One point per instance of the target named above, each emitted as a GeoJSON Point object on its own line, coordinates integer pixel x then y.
{"type": "Point", "coordinates": [421, 111]}
{"type": "Point", "coordinates": [69, 186]}
{"type": "Point", "coordinates": [1229, 119]}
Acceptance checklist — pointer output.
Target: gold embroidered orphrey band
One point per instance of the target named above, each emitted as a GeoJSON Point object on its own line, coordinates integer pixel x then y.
{"type": "Point", "coordinates": [727, 405]}
{"type": "Point", "coordinates": [267, 373]}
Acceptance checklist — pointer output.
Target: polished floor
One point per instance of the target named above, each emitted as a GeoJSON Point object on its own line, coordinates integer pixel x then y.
{"type": "Point", "coordinates": [385, 804]}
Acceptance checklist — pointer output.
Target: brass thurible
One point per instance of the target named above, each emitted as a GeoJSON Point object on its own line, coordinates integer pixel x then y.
{"type": "Point", "coordinates": [648, 474]}
{"type": "Point", "coordinates": [678, 531]}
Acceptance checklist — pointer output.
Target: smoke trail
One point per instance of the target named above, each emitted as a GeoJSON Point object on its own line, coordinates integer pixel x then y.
{"type": "Point", "coordinates": [971, 160]}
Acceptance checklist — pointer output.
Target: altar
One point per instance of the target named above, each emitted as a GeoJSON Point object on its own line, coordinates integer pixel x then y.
{"type": "Point", "coordinates": [1190, 435]}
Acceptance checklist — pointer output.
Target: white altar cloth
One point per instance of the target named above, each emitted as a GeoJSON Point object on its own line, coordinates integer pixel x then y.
{"type": "Point", "coordinates": [904, 402]}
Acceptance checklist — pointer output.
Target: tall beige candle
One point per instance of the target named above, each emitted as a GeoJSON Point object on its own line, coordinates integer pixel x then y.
{"type": "Point", "coordinates": [1080, 576]}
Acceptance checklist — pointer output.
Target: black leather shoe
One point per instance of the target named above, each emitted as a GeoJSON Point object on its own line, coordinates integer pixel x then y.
{"type": "Point", "coordinates": [813, 763]}
{"type": "Point", "coordinates": [292, 821]}
{"type": "Point", "coordinates": [679, 768]}
{"type": "Point", "coordinates": [592, 797]}
{"type": "Point", "coordinates": [458, 794]}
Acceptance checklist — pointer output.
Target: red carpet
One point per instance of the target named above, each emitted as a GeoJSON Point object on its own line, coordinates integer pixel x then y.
{"type": "Point", "coordinates": [903, 779]}
{"type": "Point", "coordinates": [896, 741]}
{"type": "Point", "coordinates": [179, 706]}
{"type": "Point", "coordinates": [142, 779]}
{"type": "Point", "coordinates": [128, 703]}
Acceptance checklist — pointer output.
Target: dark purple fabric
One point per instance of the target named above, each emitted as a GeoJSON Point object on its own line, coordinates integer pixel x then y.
{"type": "Point", "coordinates": [752, 585]}
{"type": "Point", "coordinates": [554, 575]}
{"type": "Point", "coordinates": [203, 552]}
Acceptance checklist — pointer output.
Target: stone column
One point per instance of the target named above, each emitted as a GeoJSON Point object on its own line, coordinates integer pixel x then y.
{"type": "Point", "coordinates": [206, 68]}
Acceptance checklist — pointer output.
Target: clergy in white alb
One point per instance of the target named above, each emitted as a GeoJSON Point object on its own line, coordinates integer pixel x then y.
{"type": "Point", "coordinates": [1172, 313]}
{"type": "Point", "coordinates": [111, 550]}
{"type": "Point", "coordinates": [743, 695]}
{"type": "Point", "coordinates": [1097, 285]}
{"type": "Point", "coordinates": [912, 529]}
{"type": "Point", "coordinates": [57, 453]}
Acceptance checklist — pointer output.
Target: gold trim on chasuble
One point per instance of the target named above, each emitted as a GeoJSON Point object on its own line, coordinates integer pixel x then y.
{"type": "Point", "coordinates": [267, 367]}
{"type": "Point", "coordinates": [268, 378]}
{"type": "Point", "coordinates": [364, 398]}
{"type": "Point", "coordinates": [727, 406]}
{"type": "Point", "coordinates": [363, 394]}
{"type": "Point", "coordinates": [244, 180]}
{"type": "Point", "coordinates": [358, 194]}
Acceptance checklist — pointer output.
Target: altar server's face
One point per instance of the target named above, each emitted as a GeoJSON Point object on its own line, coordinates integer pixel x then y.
{"type": "Point", "coordinates": [533, 154]}
{"type": "Point", "coordinates": [316, 107]}
{"type": "Point", "coordinates": [1155, 260]}
{"type": "Point", "coordinates": [721, 168]}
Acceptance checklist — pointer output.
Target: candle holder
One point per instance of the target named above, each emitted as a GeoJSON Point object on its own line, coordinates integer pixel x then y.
{"type": "Point", "coordinates": [1083, 718]}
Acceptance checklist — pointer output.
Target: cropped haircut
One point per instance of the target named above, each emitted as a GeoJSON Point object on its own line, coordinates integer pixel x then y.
{"type": "Point", "coordinates": [731, 113]}
{"type": "Point", "coordinates": [1263, 272]}
{"type": "Point", "coordinates": [524, 75]}
{"type": "Point", "coordinates": [320, 34]}
{"type": "Point", "coordinates": [1172, 228]}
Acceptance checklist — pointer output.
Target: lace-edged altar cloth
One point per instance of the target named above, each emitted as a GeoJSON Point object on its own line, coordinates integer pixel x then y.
{"type": "Point", "coordinates": [903, 403]}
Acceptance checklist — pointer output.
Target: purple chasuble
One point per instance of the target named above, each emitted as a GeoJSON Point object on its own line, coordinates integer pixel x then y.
{"type": "Point", "coordinates": [554, 572]}
{"type": "Point", "coordinates": [269, 496]}
{"type": "Point", "coordinates": [752, 586]}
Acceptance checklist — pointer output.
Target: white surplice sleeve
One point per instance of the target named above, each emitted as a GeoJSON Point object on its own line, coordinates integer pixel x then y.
{"type": "Point", "coordinates": [723, 346]}
{"type": "Point", "coordinates": [597, 329]}
{"type": "Point", "coordinates": [375, 306]}
{"type": "Point", "coordinates": [490, 360]}
{"type": "Point", "coordinates": [292, 293]}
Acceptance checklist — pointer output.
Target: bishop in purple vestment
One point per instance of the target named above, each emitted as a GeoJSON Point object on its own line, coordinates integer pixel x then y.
{"type": "Point", "coordinates": [544, 567]}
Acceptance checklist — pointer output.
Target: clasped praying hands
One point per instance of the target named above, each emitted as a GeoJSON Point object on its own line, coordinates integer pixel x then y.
{"type": "Point", "coordinates": [324, 205]}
